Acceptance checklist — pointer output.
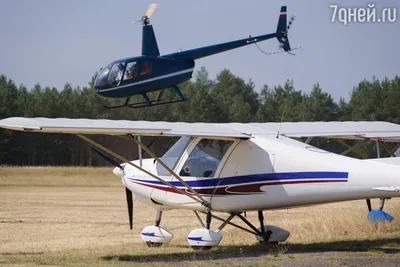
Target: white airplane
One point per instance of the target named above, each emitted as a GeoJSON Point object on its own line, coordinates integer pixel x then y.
{"type": "Point", "coordinates": [237, 167]}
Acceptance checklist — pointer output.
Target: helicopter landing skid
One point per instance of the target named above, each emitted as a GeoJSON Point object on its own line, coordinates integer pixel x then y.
{"type": "Point", "coordinates": [150, 103]}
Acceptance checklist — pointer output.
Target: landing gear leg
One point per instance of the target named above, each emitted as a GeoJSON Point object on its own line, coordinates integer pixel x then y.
{"type": "Point", "coordinates": [159, 96]}
{"type": "Point", "coordinates": [127, 101]}
{"type": "Point", "coordinates": [208, 220]}
{"type": "Point", "coordinates": [369, 204]}
{"type": "Point", "coordinates": [264, 234]}
{"type": "Point", "coordinates": [147, 99]}
{"type": "Point", "coordinates": [381, 203]}
{"type": "Point", "coordinates": [179, 93]}
{"type": "Point", "coordinates": [158, 217]}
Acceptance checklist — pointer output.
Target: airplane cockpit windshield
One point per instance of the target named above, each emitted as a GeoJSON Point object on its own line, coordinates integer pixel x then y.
{"type": "Point", "coordinates": [203, 160]}
{"type": "Point", "coordinates": [170, 158]}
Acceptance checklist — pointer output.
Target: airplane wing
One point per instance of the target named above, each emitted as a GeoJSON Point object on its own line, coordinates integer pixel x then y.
{"type": "Point", "coordinates": [118, 127]}
{"type": "Point", "coordinates": [335, 129]}
{"type": "Point", "coordinates": [345, 130]}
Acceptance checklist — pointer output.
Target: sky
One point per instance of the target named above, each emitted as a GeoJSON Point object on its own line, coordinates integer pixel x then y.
{"type": "Point", "coordinates": [54, 42]}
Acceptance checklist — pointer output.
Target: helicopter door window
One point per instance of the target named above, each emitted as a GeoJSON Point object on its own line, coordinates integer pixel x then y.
{"type": "Point", "coordinates": [131, 71]}
{"type": "Point", "coordinates": [205, 158]}
{"type": "Point", "coordinates": [146, 68]}
{"type": "Point", "coordinates": [115, 76]}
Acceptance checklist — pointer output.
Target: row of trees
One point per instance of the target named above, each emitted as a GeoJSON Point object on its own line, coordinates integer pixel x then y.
{"type": "Point", "coordinates": [227, 98]}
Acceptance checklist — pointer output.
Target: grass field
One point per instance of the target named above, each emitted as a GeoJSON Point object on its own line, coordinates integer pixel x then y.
{"type": "Point", "coordinates": [78, 217]}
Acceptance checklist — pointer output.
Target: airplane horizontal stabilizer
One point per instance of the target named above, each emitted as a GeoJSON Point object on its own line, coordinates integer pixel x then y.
{"type": "Point", "coordinates": [391, 161]}
{"type": "Point", "coordinates": [388, 189]}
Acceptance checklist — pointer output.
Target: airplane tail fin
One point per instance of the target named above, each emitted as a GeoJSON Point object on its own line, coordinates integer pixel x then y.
{"type": "Point", "coordinates": [283, 28]}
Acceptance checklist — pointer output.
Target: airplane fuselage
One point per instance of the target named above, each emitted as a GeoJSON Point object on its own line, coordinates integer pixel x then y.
{"type": "Point", "coordinates": [266, 172]}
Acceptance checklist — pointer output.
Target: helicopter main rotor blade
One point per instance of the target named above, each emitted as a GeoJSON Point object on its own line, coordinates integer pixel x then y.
{"type": "Point", "coordinates": [150, 10]}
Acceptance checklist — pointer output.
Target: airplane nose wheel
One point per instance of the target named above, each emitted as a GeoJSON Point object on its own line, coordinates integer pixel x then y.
{"type": "Point", "coordinates": [155, 236]}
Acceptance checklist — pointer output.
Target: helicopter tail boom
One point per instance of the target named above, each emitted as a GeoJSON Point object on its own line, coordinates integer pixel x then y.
{"type": "Point", "coordinates": [280, 34]}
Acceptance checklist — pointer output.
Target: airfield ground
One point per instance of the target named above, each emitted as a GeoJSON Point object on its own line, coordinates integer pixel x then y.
{"type": "Point", "coordinates": [78, 217]}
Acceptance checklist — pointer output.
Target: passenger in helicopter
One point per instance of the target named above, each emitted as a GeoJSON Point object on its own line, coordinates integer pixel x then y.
{"type": "Point", "coordinates": [146, 68]}
{"type": "Point", "coordinates": [116, 74]}
{"type": "Point", "coordinates": [131, 72]}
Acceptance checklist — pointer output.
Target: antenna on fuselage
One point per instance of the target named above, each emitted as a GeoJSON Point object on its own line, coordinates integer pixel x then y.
{"type": "Point", "coordinates": [283, 115]}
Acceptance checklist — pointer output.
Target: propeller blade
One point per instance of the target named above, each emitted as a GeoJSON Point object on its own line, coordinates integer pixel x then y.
{"type": "Point", "coordinates": [134, 22]}
{"type": "Point", "coordinates": [107, 157]}
{"type": "Point", "coordinates": [150, 10]}
{"type": "Point", "coordinates": [369, 204]}
{"type": "Point", "coordinates": [129, 200]}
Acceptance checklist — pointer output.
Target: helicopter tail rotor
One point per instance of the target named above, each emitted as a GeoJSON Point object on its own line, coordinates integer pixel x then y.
{"type": "Point", "coordinates": [283, 28]}
{"type": "Point", "coordinates": [145, 19]}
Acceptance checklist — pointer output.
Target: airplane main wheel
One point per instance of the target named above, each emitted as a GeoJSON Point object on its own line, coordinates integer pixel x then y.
{"type": "Point", "coordinates": [153, 244]}
{"type": "Point", "coordinates": [201, 248]}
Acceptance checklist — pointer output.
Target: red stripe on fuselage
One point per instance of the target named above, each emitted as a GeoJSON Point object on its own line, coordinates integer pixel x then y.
{"type": "Point", "coordinates": [256, 188]}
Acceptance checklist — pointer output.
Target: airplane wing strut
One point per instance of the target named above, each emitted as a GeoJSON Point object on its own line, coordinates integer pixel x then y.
{"type": "Point", "coordinates": [97, 145]}
{"type": "Point", "coordinates": [169, 170]}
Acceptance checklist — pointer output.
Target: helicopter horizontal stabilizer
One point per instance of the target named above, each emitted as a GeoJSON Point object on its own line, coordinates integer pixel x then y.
{"type": "Point", "coordinates": [283, 28]}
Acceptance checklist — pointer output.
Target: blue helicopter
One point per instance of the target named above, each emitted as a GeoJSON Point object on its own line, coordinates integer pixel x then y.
{"type": "Point", "coordinates": [153, 72]}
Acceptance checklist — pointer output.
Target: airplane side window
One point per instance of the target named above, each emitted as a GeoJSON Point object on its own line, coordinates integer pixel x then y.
{"type": "Point", "coordinates": [146, 68]}
{"type": "Point", "coordinates": [205, 158]}
{"type": "Point", "coordinates": [131, 71]}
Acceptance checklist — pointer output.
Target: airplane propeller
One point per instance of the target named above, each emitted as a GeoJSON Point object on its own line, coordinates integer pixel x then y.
{"type": "Point", "coordinates": [129, 197]}
{"type": "Point", "coordinates": [147, 15]}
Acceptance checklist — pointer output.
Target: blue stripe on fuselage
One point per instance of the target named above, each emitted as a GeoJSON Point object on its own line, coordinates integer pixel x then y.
{"type": "Point", "coordinates": [236, 180]}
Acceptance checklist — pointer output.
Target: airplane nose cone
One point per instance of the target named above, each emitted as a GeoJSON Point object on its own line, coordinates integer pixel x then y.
{"type": "Point", "coordinates": [118, 172]}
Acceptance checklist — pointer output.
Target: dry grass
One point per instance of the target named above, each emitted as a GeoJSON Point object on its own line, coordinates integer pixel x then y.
{"type": "Point", "coordinates": [58, 176]}
{"type": "Point", "coordinates": [66, 216]}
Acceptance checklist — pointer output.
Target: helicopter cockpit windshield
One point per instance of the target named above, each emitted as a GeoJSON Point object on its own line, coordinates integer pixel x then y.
{"type": "Point", "coordinates": [110, 76]}
{"type": "Point", "coordinates": [122, 72]}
